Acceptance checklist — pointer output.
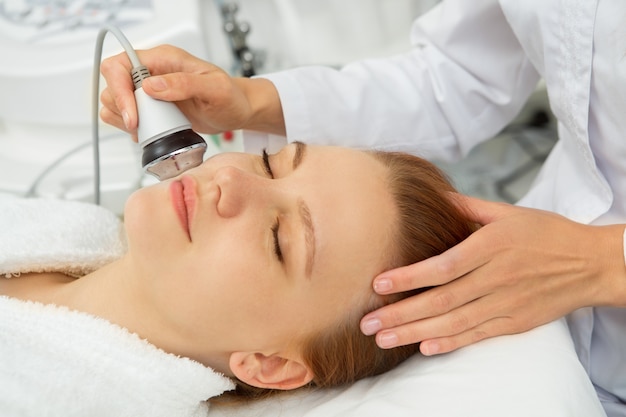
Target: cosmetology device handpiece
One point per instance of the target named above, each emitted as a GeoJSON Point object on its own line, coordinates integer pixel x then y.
{"type": "Point", "coordinates": [164, 133]}
{"type": "Point", "coordinates": [169, 145]}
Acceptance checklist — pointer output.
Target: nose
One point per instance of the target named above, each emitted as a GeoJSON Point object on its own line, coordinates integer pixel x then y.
{"type": "Point", "coordinates": [241, 190]}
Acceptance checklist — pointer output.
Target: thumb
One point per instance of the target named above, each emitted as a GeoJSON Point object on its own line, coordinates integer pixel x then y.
{"type": "Point", "coordinates": [169, 87]}
{"type": "Point", "coordinates": [158, 86]}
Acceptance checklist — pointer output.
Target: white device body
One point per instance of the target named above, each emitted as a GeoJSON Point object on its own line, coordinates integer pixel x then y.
{"type": "Point", "coordinates": [157, 118]}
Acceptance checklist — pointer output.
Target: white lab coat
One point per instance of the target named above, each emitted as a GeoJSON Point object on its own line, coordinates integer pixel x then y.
{"type": "Point", "coordinates": [473, 65]}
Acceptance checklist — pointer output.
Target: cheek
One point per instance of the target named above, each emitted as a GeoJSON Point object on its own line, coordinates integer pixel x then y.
{"type": "Point", "coordinates": [133, 207]}
{"type": "Point", "coordinates": [250, 288]}
{"type": "Point", "coordinates": [229, 271]}
{"type": "Point", "coordinates": [153, 235]}
{"type": "Point", "coordinates": [147, 213]}
{"type": "Point", "coordinates": [138, 218]}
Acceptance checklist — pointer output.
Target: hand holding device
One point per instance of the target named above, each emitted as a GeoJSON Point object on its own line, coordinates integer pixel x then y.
{"type": "Point", "coordinates": [169, 145]}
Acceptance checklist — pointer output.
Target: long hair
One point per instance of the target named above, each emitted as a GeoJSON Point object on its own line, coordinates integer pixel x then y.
{"type": "Point", "coordinates": [428, 223]}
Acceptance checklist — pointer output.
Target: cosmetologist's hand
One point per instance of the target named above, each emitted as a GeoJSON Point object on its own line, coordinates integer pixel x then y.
{"type": "Point", "coordinates": [522, 269]}
{"type": "Point", "coordinates": [211, 99]}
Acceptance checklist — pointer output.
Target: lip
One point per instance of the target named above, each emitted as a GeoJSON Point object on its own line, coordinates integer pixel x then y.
{"type": "Point", "coordinates": [183, 196]}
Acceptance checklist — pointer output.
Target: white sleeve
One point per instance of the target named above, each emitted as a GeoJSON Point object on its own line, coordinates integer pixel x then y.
{"type": "Point", "coordinates": [465, 78]}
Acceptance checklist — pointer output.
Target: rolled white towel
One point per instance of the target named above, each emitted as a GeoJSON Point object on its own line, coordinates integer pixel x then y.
{"type": "Point", "coordinates": [50, 235]}
{"type": "Point", "coordinates": [60, 363]}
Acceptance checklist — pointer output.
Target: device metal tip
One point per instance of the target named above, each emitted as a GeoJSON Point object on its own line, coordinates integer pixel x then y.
{"type": "Point", "coordinates": [175, 163]}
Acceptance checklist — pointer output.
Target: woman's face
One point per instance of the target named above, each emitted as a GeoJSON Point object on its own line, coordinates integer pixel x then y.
{"type": "Point", "coordinates": [237, 255]}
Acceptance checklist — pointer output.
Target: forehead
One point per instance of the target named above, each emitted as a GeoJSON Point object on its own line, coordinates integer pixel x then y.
{"type": "Point", "coordinates": [354, 215]}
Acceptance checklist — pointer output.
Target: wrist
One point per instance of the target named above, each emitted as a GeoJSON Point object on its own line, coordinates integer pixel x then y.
{"type": "Point", "coordinates": [614, 265]}
{"type": "Point", "coordinates": [266, 113]}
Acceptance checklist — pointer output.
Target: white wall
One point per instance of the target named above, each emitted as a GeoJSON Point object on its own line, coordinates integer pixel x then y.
{"type": "Point", "coordinates": [329, 32]}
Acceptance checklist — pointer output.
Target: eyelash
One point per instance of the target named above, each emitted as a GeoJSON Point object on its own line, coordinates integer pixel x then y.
{"type": "Point", "coordinates": [277, 250]}
{"type": "Point", "coordinates": [266, 163]}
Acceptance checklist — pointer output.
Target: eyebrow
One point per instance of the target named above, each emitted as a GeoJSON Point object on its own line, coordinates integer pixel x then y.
{"type": "Point", "coordinates": [298, 154]}
{"type": "Point", "coordinates": [309, 236]}
{"type": "Point", "coordinates": [305, 214]}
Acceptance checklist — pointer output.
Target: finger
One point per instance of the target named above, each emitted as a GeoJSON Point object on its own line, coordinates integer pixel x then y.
{"type": "Point", "coordinates": [492, 328]}
{"type": "Point", "coordinates": [168, 87]}
{"type": "Point", "coordinates": [454, 263]}
{"type": "Point", "coordinates": [112, 118]}
{"type": "Point", "coordinates": [108, 102]}
{"type": "Point", "coordinates": [166, 59]}
{"type": "Point", "coordinates": [432, 304]}
{"type": "Point", "coordinates": [120, 89]}
{"type": "Point", "coordinates": [115, 120]}
{"type": "Point", "coordinates": [180, 86]}
{"type": "Point", "coordinates": [453, 322]}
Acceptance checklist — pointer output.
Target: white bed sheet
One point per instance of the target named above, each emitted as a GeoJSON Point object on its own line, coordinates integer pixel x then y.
{"type": "Point", "coordinates": [531, 374]}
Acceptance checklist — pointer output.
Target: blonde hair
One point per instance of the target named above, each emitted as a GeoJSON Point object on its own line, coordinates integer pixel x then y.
{"type": "Point", "coordinates": [428, 223]}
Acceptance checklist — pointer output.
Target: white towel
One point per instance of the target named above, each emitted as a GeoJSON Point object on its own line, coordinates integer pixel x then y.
{"type": "Point", "coordinates": [47, 235]}
{"type": "Point", "coordinates": [57, 362]}
{"type": "Point", "coordinates": [60, 363]}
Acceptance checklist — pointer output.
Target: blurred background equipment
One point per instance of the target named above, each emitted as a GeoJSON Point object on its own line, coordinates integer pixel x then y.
{"type": "Point", "coordinates": [47, 51]}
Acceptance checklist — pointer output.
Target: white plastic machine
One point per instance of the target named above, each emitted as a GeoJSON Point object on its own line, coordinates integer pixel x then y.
{"type": "Point", "coordinates": [46, 63]}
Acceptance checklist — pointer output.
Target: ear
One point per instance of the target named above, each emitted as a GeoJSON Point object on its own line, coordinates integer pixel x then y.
{"type": "Point", "coordinates": [275, 372]}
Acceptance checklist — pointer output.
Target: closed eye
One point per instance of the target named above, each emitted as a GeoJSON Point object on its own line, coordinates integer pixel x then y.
{"type": "Point", "coordinates": [266, 163]}
{"type": "Point", "coordinates": [277, 250]}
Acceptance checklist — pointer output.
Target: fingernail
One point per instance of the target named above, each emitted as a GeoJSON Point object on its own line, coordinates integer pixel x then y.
{"type": "Point", "coordinates": [382, 285]}
{"type": "Point", "coordinates": [126, 119]}
{"type": "Point", "coordinates": [156, 83]}
{"type": "Point", "coordinates": [371, 326]}
{"type": "Point", "coordinates": [429, 349]}
{"type": "Point", "coordinates": [387, 340]}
